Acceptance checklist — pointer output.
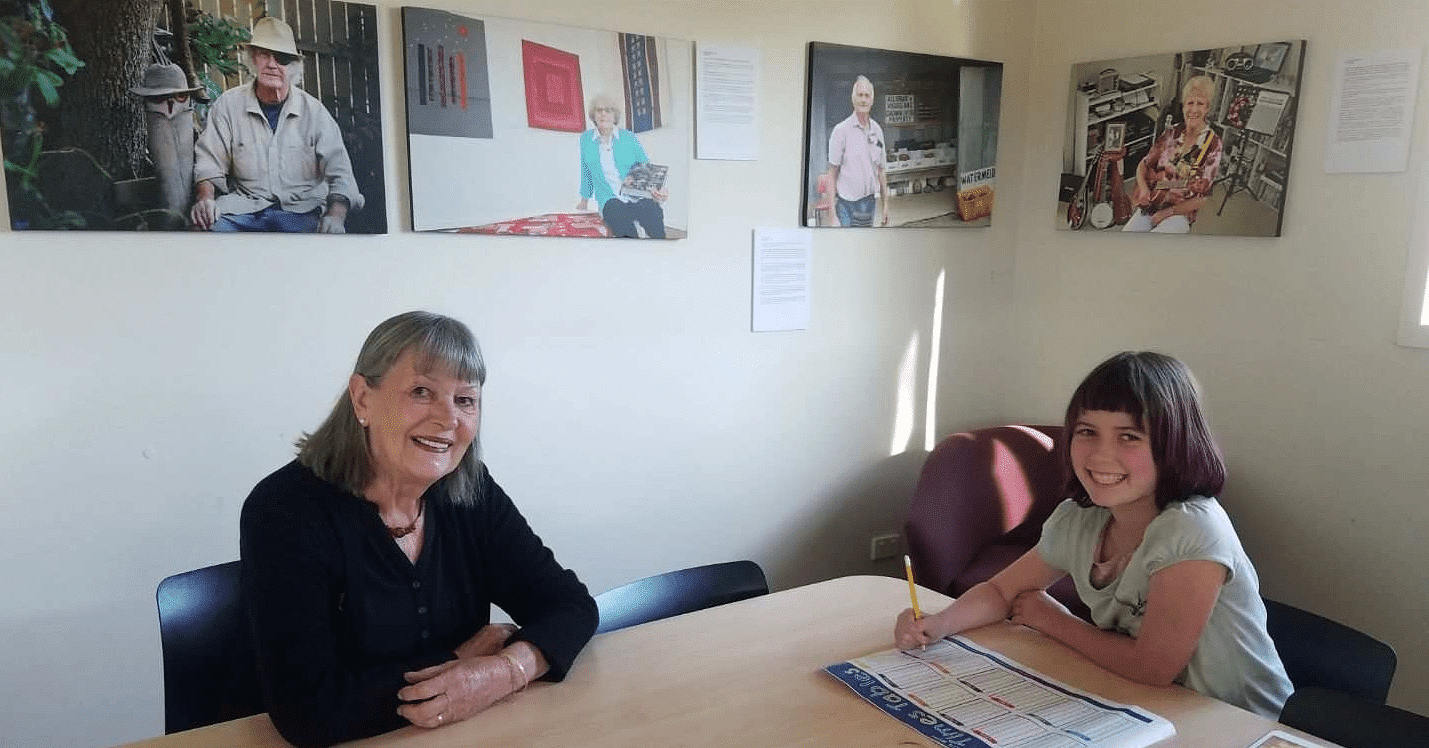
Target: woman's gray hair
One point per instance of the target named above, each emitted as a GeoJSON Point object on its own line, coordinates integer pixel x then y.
{"type": "Point", "coordinates": [600, 101]}
{"type": "Point", "coordinates": [337, 450]}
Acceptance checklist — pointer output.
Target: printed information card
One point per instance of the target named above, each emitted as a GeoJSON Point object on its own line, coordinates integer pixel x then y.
{"type": "Point", "coordinates": [958, 694]}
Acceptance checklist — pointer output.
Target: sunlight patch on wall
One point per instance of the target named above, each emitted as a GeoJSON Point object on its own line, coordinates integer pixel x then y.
{"type": "Point", "coordinates": [935, 344]}
{"type": "Point", "coordinates": [1424, 307]}
{"type": "Point", "coordinates": [904, 412]}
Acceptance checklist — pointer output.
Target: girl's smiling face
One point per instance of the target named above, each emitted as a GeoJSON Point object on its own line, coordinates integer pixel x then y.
{"type": "Point", "coordinates": [1111, 455]}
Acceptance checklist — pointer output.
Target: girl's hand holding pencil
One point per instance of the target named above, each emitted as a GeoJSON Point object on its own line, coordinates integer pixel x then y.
{"type": "Point", "coordinates": [913, 629]}
{"type": "Point", "coordinates": [911, 633]}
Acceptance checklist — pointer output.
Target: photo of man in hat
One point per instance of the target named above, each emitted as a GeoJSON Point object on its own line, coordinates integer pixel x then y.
{"type": "Point", "coordinates": [271, 157]}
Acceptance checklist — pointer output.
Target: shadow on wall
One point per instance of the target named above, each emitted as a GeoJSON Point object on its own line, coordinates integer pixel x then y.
{"type": "Point", "coordinates": [834, 542]}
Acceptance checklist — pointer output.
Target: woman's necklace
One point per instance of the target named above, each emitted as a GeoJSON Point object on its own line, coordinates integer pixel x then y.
{"type": "Point", "coordinates": [410, 527]}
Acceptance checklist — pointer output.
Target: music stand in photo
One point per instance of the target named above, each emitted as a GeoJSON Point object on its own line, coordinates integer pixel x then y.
{"type": "Point", "coordinates": [1238, 164]}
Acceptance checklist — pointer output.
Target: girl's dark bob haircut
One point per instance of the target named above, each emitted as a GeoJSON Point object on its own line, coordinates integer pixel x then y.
{"type": "Point", "coordinates": [1161, 395]}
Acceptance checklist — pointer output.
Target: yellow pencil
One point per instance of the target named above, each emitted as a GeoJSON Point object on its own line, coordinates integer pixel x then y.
{"type": "Point", "coordinates": [912, 590]}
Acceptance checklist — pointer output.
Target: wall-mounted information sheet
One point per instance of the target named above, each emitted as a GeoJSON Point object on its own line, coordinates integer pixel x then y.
{"type": "Point", "coordinates": [781, 279]}
{"type": "Point", "coordinates": [959, 694]}
{"type": "Point", "coordinates": [1372, 111]}
{"type": "Point", "coordinates": [727, 102]}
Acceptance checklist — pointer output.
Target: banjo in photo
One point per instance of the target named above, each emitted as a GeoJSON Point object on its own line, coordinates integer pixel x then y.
{"type": "Point", "coordinates": [1109, 204]}
{"type": "Point", "coordinates": [1077, 207]}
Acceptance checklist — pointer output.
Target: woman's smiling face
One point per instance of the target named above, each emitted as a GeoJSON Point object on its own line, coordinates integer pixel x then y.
{"type": "Point", "coordinates": [419, 423]}
{"type": "Point", "coordinates": [1194, 107]}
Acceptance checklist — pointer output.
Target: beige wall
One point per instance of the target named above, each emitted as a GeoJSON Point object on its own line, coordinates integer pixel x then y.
{"type": "Point", "coordinates": [1324, 419]}
{"type": "Point", "coordinates": [151, 380]}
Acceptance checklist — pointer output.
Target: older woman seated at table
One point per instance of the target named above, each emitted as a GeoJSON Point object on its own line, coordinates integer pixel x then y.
{"type": "Point", "coordinates": [370, 563]}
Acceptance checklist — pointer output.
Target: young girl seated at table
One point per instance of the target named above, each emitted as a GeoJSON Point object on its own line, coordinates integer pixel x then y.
{"type": "Point", "coordinates": [1153, 555]}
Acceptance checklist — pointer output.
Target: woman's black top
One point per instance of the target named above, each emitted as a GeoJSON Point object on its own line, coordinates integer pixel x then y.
{"type": "Point", "coordinates": [338, 612]}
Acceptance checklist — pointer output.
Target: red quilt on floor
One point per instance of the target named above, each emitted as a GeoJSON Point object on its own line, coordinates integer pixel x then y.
{"type": "Point", "coordinates": [546, 224]}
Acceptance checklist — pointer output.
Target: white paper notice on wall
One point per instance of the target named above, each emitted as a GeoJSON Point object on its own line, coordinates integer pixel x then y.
{"type": "Point", "coordinates": [727, 102]}
{"type": "Point", "coordinates": [1372, 111]}
{"type": "Point", "coordinates": [780, 299]}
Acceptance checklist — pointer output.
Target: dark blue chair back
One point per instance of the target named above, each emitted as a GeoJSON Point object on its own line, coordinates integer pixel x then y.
{"type": "Point", "coordinates": [1353, 721]}
{"type": "Point", "coordinates": [209, 674]}
{"type": "Point", "coordinates": [676, 592]}
{"type": "Point", "coordinates": [1321, 653]}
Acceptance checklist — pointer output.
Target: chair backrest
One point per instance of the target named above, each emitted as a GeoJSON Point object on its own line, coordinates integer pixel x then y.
{"type": "Point", "coordinates": [977, 488]}
{"type": "Point", "coordinates": [1319, 652]}
{"type": "Point", "coordinates": [676, 592]}
{"type": "Point", "coordinates": [209, 674]}
{"type": "Point", "coordinates": [1352, 721]}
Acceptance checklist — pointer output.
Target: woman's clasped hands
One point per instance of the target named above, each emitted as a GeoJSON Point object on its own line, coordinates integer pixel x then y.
{"type": "Point", "coordinates": [457, 689]}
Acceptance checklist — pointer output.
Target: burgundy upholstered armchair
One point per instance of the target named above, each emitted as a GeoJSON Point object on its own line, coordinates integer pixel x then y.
{"type": "Point", "coordinates": [980, 503]}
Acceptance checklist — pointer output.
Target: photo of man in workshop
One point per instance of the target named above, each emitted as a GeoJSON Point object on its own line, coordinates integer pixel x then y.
{"type": "Point", "coordinates": [899, 139]}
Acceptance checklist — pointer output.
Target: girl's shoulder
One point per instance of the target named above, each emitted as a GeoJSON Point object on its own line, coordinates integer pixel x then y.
{"type": "Point", "coordinates": [1196, 528]}
{"type": "Point", "coordinates": [1201, 515]}
{"type": "Point", "coordinates": [1197, 506]}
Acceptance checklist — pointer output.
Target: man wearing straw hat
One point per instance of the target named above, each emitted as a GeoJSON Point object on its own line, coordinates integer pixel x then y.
{"type": "Point", "coordinates": [271, 157]}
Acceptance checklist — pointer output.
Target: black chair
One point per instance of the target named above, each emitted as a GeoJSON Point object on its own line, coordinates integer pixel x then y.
{"type": "Point", "coordinates": [1318, 652]}
{"type": "Point", "coordinates": [209, 674]}
{"type": "Point", "coordinates": [677, 592]}
{"type": "Point", "coordinates": [1353, 721]}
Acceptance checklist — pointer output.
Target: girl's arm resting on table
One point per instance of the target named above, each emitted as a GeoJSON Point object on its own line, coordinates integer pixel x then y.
{"type": "Point", "coordinates": [987, 602]}
{"type": "Point", "coordinates": [1178, 605]}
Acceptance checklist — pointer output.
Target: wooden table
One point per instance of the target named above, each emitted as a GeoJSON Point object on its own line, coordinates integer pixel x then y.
{"type": "Point", "coordinates": [750, 674]}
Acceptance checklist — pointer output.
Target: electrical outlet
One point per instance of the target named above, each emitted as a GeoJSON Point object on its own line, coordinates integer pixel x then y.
{"type": "Point", "coordinates": [885, 546]}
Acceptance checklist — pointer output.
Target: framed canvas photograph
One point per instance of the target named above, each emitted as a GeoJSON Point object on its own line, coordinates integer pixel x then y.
{"type": "Point", "coordinates": [1190, 142]}
{"type": "Point", "coordinates": [139, 126]}
{"type": "Point", "coordinates": [899, 139]}
{"type": "Point", "coordinates": [554, 106]}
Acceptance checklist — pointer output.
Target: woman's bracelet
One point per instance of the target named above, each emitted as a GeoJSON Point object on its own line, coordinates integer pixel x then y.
{"type": "Point", "coordinates": [515, 666]}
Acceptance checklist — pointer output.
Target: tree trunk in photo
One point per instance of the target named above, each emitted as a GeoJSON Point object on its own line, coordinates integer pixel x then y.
{"type": "Point", "coordinates": [179, 25]}
{"type": "Point", "coordinates": [97, 111]}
